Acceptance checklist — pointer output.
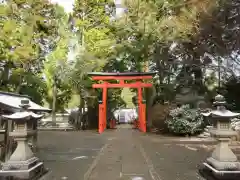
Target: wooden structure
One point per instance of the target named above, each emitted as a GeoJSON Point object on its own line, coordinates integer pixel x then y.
{"type": "Point", "coordinates": [121, 82]}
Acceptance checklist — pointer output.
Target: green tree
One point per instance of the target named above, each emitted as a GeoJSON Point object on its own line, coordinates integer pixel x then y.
{"type": "Point", "coordinates": [94, 48]}
{"type": "Point", "coordinates": [27, 35]}
{"type": "Point", "coordinates": [56, 67]}
{"type": "Point", "coordinates": [147, 32]}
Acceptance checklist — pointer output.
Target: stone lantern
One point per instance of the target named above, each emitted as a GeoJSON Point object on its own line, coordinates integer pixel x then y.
{"type": "Point", "coordinates": [22, 163]}
{"type": "Point", "coordinates": [223, 163]}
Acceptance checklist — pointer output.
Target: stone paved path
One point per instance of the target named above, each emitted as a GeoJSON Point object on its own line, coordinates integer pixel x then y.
{"type": "Point", "coordinates": [120, 154]}
{"type": "Point", "coordinates": [122, 158]}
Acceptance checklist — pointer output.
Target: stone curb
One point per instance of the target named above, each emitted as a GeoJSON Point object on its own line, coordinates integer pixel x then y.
{"type": "Point", "coordinates": [56, 129]}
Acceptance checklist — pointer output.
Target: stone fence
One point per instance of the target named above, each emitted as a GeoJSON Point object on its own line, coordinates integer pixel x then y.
{"type": "Point", "coordinates": [61, 123]}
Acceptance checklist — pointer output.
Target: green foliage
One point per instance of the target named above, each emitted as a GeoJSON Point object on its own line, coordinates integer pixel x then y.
{"type": "Point", "coordinates": [93, 41]}
{"type": "Point", "coordinates": [34, 86]}
{"type": "Point", "coordinates": [167, 21]}
{"type": "Point", "coordinates": [184, 121]}
{"type": "Point", "coordinates": [27, 35]}
{"type": "Point", "coordinates": [231, 93]}
{"type": "Point", "coordinates": [92, 23]}
{"type": "Point", "coordinates": [74, 102]}
{"type": "Point", "coordinates": [114, 100]}
{"type": "Point", "coordinates": [56, 66]}
{"type": "Point", "coordinates": [149, 28]}
{"type": "Point", "coordinates": [127, 97]}
{"type": "Point", "coordinates": [38, 37]}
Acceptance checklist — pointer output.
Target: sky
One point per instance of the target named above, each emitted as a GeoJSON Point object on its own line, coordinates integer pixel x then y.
{"type": "Point", "coordinates": [68, 6]}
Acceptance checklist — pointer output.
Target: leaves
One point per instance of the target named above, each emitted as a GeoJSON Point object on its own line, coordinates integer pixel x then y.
{"type": "Point", "coordinates": [184, 120]}
{"type": "Point", "coordinates": [166, 20]}
{"type": "Point", "coordinates": [29, 31]}
{"type": "Point", "coordinates": [39, 37]}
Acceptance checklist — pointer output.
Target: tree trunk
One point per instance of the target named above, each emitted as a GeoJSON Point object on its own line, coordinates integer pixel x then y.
{"type": "Point", "coordinates": [150, 95]}
{"type": "Point", "coordinates": [5, 76]}
{"type": "Point", "coordinates": [160, 55]}
{"type": "Point", "coordinates": [81, 107]}
{"type": "Point", "coordinates": [19, 85]}
{"type": "Point", "coordinates": [54, 92]}
{"type": "Point", "coordinates": [92, 116]}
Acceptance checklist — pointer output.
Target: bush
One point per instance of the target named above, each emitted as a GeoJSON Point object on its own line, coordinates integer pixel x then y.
{"type": "Point", "coordinates": [235, 124]}
{"type": "Point", "coordinates": [185, 121]}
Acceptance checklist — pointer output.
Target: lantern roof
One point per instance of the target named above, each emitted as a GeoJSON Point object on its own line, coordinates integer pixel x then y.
{"type": "Point", "coordinates": [22, 115]}
{"type": "Point", "coordinates": [219, 100]}
{"type": "Point", "coordinates": [221, 113]}
{"type": "Point", "coordinates": [221, 110]}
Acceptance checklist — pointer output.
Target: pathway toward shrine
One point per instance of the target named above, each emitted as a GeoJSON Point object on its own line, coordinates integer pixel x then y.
{"type": "Point", "coordinates": [121, 154]}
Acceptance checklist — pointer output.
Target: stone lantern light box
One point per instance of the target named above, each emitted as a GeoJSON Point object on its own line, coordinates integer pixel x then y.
{"type": "Point", "coordinates": [223, 162]}
{"type": "Point", "coordinates": [22, 164]}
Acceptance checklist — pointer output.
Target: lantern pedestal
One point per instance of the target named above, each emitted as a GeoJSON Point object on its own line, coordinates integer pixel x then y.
{"type": "Point", "coordinates": [223, 164]}
{"type": "Point", "coordinates": [223, 158]}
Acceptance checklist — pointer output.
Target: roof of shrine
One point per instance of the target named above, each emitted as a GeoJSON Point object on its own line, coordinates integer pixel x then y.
{"type": "Point", "coordinates": [22, 116]}
{"type": "Point", "coordinates": [12, 102]}
{"type": "Point", "coordinates": [121, 73]}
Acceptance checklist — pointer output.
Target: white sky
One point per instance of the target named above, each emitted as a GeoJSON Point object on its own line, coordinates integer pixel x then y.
{"type": "Point", "coordinates": [68, 5]}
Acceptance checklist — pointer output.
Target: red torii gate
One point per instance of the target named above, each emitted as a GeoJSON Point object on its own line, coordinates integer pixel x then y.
{"type": "Point", "coordinates": [121, 78]}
